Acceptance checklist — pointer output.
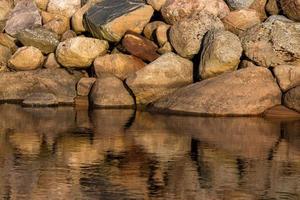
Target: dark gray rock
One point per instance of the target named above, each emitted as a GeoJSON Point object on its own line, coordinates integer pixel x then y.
{"type": "Point", "coordinates": [41, 38]}
{"type": "Point", "coordinates": [17, 86]}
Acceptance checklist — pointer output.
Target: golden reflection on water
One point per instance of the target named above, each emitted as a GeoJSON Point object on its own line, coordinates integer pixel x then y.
{"type": "Point", "coordinates": [63, 153]}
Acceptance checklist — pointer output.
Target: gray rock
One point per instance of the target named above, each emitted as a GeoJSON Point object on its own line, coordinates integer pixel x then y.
{"type": "Point", "coordinates": [110, 92]}
{"type": "Point", "coordinates": [40, 100]}
{"type": "Point", "coordinates": [239, 4]}
{"type": "Point", "coordinates": [24, 15]}
{"type": "Point", "coordinates": [41, 38]}
{"type": "Point", "coordinates": [248, 91]}
{"type": "Point", "coordinates": [111, 19]}
{"type": "Point", "coordinates": [267, 44]}
{"type": "Point", "coordinates": [292, 98]}
{"type": "Point", "coordinates": [221, 53]}
{"type": "Point", "coordinates": [163, 76]}
{"type": "Point", "coordinates": [186, 36]}
{"type": "Point", "coordinates": [17, 86]}
{"type": "Point", "coordinates": [288, 76]}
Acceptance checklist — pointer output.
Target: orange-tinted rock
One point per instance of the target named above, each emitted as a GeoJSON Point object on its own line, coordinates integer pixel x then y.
{"type": "Point", "coordinates": [140, 47]}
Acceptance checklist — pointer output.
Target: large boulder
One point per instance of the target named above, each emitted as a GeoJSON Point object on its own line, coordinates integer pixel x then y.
{"type": "Point", "coordinates": [111, 19]}
{"type": "Point", "coordinates": [26, 58]}
{"type": "Point", "coordinates": [292, 98]}
{"type": "Point", "coordinates": [80, 52]}
{"type": "Point", "coordinates": [186, 36]}
{"type": "Point", "coordinates": [41, 38]}
{"type": "Point", "coordinates": [24, 15]}
{"type": "Point", "coordinates": [64, 7]}
{"type": "Point", "coordinates": [85, 85]}
{"type": "Point", "coordinates": [17, 86]}
{"type": "Point", "coordinates": [55, 22]}
{"type": "Point", "coordinates": [291, 8]}
{"type": "Point", "coordinates": [161, 77]}
{"type": "Point", "coordinates": [221, 53]}
{"type": "Point", "coordinates": [110, 92]}
{"type": "Point", "coordinates": [267, 44]}
{"type": "Point", "coordinates": [248, 91]}
{"type": "Point", "coordinates": [239, 21]}
{"type": "Point", "coordinates": [288, 76]}
{"type": "Point", "coordinates": [120, 65]}
{"type": "Point", "coordinates": [176, 10]}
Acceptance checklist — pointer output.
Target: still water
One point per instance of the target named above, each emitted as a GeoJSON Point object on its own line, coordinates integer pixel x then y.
{"type": "Point", "coordinates": [63, 153]}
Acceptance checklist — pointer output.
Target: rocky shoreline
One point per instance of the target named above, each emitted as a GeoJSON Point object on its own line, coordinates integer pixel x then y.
{"type": "Point", "coordinates": [202, 57]}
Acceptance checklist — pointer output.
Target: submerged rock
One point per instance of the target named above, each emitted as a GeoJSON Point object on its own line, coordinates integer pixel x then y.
{"type": "Point", "coordinates": [17, 86]}
{"type": "Point", "coordinates": [186, 36]}
{"type": "Point", "coordinates": [267, 44]}
{"type": "Point", "coordinates": [163, 76]}
{"type": "Point", "coordinates": [110, 92]}
{"type": "Point", "coordinates": [41, 38]}
{"type": "Point", "coordinates": [24, 15]}
{"type": "Point", "coordinates": [26, 58]}
{"type": "Point", "coordinates": [292, 98]}
{"type": "Point", "coordinates": [248, 91]}
{"type": "Point", "coordinates": [221, 53]}
{"type": "Point", "coordinates": [80, 52]}
{"type": "Point", "coordinates": [119, 65]}
{"type": "Point", "coordinates": [111, 19]}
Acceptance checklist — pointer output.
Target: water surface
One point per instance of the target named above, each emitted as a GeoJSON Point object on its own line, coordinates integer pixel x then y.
{"type": "Point", "coordinates": [63, 153]}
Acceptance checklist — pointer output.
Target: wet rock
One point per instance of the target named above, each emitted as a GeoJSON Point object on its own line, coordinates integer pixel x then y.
{"type": "Point", "coordinates": [140, 47]}
{"type": "Point", "coordinates": [292, 98]}
{"type": "Point", "coordinates": [118, 64]}
{"type": "Point", "coordinates": [156, 4]}
{"type": "Point", "coordinates": [109, 92]}
{"type": "Point", "coordinates": [239, 4]}
{"type": "Point", "coordinates": [221, 53]}
{"type": "Point", "coordinates": [80, 52]}
{"type": "Point", "coordinates": [8, 41]}
{"type": "Point", "coordinates": [161, 77]}
{"type": "Point", "coordinates": [51, 62]}
{"type": "Point", "coordinates": [20, 60]}
{"type": "Point", "coordinates": [248, 91]}
{"type": "Point", "coordinates": [41, 38]}
{"type": "Point", "coordinates": [186, 36]}
{"type": "Point", "coordinates": [176, 10]}
{"type": "Point", "coordinates": [17, 86]}
{"type": "Point", "coordinates": [291, 8]}
{"type": "Point", "coordinates": [111, 19]}
{"type": "Point", "coordinates": [24, 15]}
{"type": "Point", "coordinates": [67, 35]}
{"type": "Point", "coordinates": [288, 76]}
{"type": "Point", "coordinates": [64, 7]}
{"type": "Point", "coordinates": [266, 44]}
{"type": "Point", "coordinates": [272, 7]}
{"type": "Point", "coordinates": [55, 22]}
{"type": "Point", "coordinates": [40, 100]}
{"type": "Point", "coordinates": [240, 20]}
{"type": "Point", "coordinates": [85, 85]}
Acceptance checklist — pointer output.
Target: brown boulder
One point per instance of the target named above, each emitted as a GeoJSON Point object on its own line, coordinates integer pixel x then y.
{"type": "Point", "coordinates": [118, 64]}
{"type": "Point", "coordinates": [55, 22]}
{"type": "Point", "coordinates": [51, 62]}
{"type": "Point", "coordinates": [186, 36]}
{"type": "Point", "coordinates": [140, 46]}
{"type": "Point", "coordinates": [84, 86]}
{"type": "Point", "coordinates": [291, 8]}
{"type": "Point", "coordinates": [288, 76]}
{"type": "Point", "coordinates": [292, 98]}
{"type": "Point", "coordinates": [64, 7]}
{"type": "Point", "coordinates": [248, 91]}
{"type": "Point", "coordinates": [110, 92]}
{"type": "Point", "coordinates": [8, 41]}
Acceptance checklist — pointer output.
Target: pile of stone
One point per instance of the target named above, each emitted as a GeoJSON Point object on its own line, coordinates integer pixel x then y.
{"type": "Point", "coordinates": [209, 57]}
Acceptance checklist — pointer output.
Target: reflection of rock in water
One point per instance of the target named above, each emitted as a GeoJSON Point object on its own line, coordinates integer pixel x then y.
{"type": "Point", "coordinates": [114, 154]}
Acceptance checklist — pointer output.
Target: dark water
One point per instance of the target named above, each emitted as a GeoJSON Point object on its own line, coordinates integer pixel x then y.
{"type": "Point", "coordinates": [62, 153]}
